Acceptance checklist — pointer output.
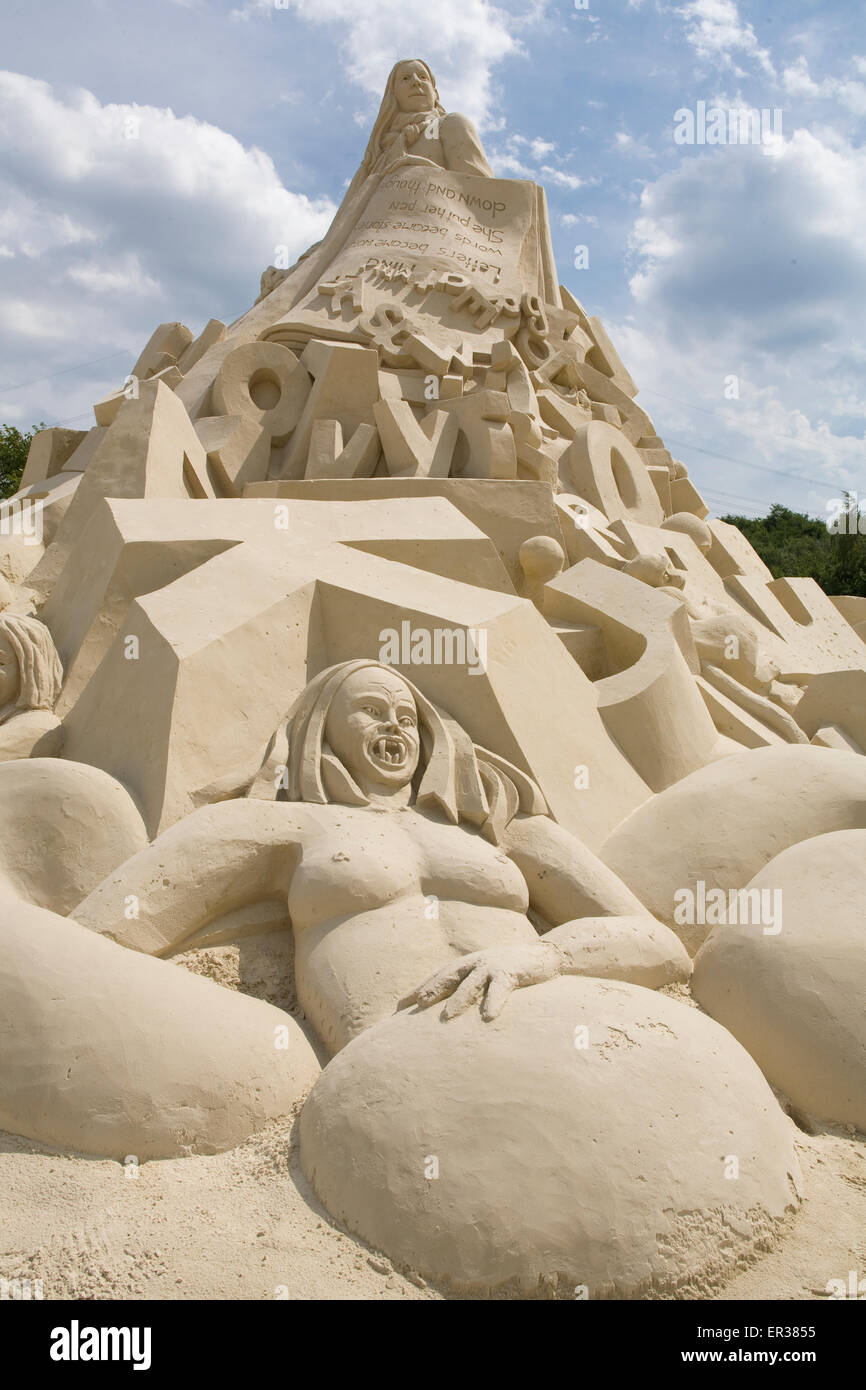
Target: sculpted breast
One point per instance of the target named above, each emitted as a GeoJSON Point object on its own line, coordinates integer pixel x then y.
{"type": "Point", "coordinates": [355, 869]}
{"type": "Point", "coordinates": [460, 865]}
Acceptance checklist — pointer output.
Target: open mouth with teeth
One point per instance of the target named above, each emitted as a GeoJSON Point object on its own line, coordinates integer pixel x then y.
{"type": "Point", "coordinates": [389, 750]}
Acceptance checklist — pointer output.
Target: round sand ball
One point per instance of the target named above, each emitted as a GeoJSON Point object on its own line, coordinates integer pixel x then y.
{"type": "Point", "coordinates": [588, 1137]}
{"type": "Point", "coordinates": [722, 824]}
{"type": "Point", "coordinates": [654, 570]}
{"type": "Point", "coordinates": [690, 526]}
{"type": "Point", "coordinates": [790, 979]}
{"type": "Point", "coordinates": [541, 558]}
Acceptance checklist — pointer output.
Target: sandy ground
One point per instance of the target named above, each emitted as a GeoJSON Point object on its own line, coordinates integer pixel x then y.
{"type": "Point", "coordinates": [246, 1225]}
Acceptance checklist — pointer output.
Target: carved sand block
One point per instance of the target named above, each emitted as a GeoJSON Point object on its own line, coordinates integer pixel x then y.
{"type": "Point", "coordinates": [254, 598]}
{"type": "Point", "coordinates": [731, 553]}
{"type": "Point", "coordinates": [837, 698]}
{"type": "Point", "coordinates": [345, 387]}
{"type": "Point", "coordinates": [815, 635]}
{"type": "Point", "coordinates": [330, 457]}
{"type": "Point", "coordinates": [508, 512]}
{"type": "Point", "coordinates": [151, 450]}
{"type": "Point", "coordinates": [419, 449]}
{"type": "Point", "coordinates": [600, 1178]}
{"type": "Point", "coordinates": [49, 453]}
{"type": "Point", "coordinates": [738, 722]}
{"type": "Point", "coordinates": [645, 635]}
{"type": "Point", "coordinates": [853, 609]}
{"type": "Point", "coordinates": [128, 550]}
{"type": "Point", "coordinates": [788, 981]}
{"type": "Point", "coordinates": [51, 499]}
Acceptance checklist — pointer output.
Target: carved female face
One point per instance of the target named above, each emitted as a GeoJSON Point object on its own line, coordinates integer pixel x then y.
{"type": "Point", "coordinates": [10, 676]}
{"type": "Point", "coordinates": [372, 727]}
{"type": "Point", "coordinates": [413, 88]}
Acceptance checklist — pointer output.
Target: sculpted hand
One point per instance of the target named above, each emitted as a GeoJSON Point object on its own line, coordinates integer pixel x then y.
{"type": "Point", "coordinates": [411, 133]}
{"type": "Point", "coordinates": [489, 976]}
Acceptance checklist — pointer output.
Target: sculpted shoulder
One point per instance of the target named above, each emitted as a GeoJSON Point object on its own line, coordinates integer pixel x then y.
{"type": "Point", "coordinates": [461, 143]}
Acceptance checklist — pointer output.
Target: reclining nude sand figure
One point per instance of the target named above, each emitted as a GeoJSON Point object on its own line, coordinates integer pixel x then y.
{"type": "Point", "coordinates": [409, 860]}
{"type": "Point", "coordinates": [31, 675]}
{"type": "Point", "coordinates": [403, 852]}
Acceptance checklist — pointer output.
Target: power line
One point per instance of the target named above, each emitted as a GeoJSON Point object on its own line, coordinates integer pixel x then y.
{"type": "Point", "coordinates": [22, 385]}
{"type": "Point", "coordinates": [761, 468]}
{"type": "Point", "coordinates": [687, 405]}
{"type": "Point", "coordinates": [735, 496]}
{"type": "Point", "coordinates": [79, 366]}
{"type": "Point", "coordinates": [729, 500]}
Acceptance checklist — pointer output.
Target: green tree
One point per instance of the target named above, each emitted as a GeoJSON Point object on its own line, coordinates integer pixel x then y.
{"type": "Point", "coordinates": [14, 447]}
{"type": "Point", "coordinates": [793, 544]}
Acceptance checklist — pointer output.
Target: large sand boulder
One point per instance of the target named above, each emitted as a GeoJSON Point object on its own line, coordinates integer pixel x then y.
{"type": "Point", "coordinates": [795, 998]}
{"type": "Point", "coordinates": [111, 1052]}
{"type": "Point", "coordinates": [509, 1156]}
{"type": "Point", "coordinates": [722, 824]}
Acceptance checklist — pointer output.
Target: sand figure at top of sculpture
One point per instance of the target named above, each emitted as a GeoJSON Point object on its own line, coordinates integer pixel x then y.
{"type": "Point", "coordinates": [31, 675]}
{"type": "Point", "coordinates": [423, 204]}
{"type": "Point", "coordinates": [403, 851]}
{"type": "Point", "coordinates": [411, 112]}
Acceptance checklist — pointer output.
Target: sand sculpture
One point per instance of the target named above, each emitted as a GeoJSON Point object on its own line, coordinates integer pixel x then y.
{"type": "Point", "coordinates": [383, 621]}
{"type": "Point", "coordinates": [31, 675]}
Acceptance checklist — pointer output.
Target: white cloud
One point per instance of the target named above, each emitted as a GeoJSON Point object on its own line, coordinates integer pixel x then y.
{"type": "Point", "coordinates": [573, 219]}
{"type": "Point", "coordinates": [798, 81]}
{"type": "Point", "coordinates": [124, 276]}
{"type": "Point", "coordinates": [463, 41]}
{"type": "Point", "coordinates": [716, 32]}
{"type": "Point", "coordinates": [509, 166]}
{"type": "Point", "coordinates": [627, 144]}
{"type": "Point", "coordinates": [111, 235]}
{"type": "Point", "coordinates": [720, 234]}
{"type": "Point", "coordinates": [750, 261]}
{"type": "Point", "coordinates": [512, 163]}
{"type": "Point", "coordinates": [560, 177]}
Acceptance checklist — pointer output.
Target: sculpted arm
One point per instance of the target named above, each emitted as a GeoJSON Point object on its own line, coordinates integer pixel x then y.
{"type": "Point", "coordinates": [564, 878]}
{"type": "Point", "coordinates": [220, 858]}
{"type": "Point", "coordinates": [599, 926]}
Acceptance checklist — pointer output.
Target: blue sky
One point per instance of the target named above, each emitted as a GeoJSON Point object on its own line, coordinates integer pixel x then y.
{"type": "Point", "coordinates": [152, 156]}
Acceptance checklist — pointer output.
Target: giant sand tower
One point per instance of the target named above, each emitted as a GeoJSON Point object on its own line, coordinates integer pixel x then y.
{"type": "Point", "coordinates": [382, 625]}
